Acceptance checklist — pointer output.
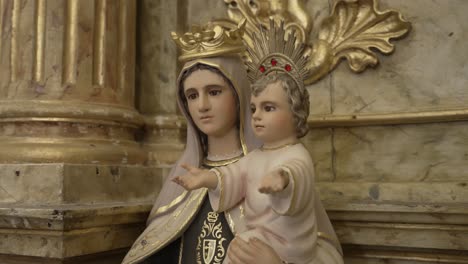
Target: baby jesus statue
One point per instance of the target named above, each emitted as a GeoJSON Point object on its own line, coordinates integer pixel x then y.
{"type": "Point", "coordinates": [276, 180]}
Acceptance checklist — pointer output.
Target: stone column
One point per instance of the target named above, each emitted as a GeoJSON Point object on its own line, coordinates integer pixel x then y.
{"type": "Point", "coordinates": [72, 175]}
{"type": "Point", "coordinates": [158, 68]}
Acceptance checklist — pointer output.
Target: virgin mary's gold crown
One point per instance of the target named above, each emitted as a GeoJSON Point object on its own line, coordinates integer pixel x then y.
{"type": "Point", "coordinates": [209, 41]}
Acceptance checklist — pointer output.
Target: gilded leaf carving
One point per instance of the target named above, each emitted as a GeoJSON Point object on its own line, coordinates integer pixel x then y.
{"type": "Point", "coordinates": [355, 27]}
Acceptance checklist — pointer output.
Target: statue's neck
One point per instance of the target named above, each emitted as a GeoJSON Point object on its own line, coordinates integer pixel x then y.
{"type": "Point", "coordinates": [290, 140]}
{"type": "Point", "coordinates": [226, 145]}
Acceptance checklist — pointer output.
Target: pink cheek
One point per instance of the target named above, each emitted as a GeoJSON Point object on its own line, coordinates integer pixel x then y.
{"type": "Point", "coordinates": [281, 120]}
{"type": "Point", "coordinates": [228, 106]}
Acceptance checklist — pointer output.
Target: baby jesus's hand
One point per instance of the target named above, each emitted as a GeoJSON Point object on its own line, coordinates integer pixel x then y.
{"type": "Point", "coordinates": [196, 178]}
{"type": "Point", "coordinates": [274, 182]}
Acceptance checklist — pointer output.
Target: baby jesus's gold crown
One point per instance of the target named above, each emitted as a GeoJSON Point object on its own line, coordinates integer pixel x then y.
{"type": "Point", "coordinates": [209, 41]}
{"type": "Point", "coordinates": [272, 51]}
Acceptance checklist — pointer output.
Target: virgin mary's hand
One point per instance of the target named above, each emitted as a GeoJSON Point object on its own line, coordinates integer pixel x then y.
{"type": "Point", "coordinates": [252, 252]}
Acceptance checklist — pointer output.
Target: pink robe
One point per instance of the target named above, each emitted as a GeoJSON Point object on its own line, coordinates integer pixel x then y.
{"type": "Point", "coordinates": [285, 220]}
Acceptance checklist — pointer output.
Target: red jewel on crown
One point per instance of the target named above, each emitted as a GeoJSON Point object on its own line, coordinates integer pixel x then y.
{"type": "Point", "coordinates": [274, 62]}
{"type": "Point", "coordinates": [288, 67]}
{"type": "Point", "coordinates": [262, 68]}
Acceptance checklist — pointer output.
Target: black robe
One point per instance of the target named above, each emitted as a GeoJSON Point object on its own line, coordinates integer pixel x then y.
{"type": "Point", "coordinates": [205, 241]}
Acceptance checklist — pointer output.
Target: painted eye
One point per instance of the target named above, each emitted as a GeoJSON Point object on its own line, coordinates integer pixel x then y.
{"type": "Point", "coordinates": [192, 96]}
{"type": "Point", "coordinates": [269, 108]}
{"type": "Point", "coordinates": [215, 92]}
{"type": "Point", "coordinates": [252, 109]}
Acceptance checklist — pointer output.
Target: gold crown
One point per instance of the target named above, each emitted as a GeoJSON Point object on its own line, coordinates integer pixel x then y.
{"type": "Point", "coordinates": [211, 40]}
{"type": "Point", "coordinates": [270, 52]}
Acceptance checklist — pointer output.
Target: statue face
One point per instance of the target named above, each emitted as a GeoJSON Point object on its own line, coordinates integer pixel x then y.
{"type": "Point", "coordinates": [211, 103]}
{"type": "Point", "coordinates": [272, 119]}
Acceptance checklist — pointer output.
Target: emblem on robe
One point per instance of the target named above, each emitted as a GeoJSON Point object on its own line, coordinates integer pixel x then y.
{"type": "Point", "coordinates": [210, 248]}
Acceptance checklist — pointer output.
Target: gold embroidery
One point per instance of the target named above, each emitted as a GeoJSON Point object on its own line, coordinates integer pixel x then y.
{"type": "Point", "coordinates": [178, 212]}
{"type": "Point", "coordinates": [210, 248]}
{"type": "Point", "coordinates": [156, 231]}
{"type": "Point", "coordinates": [330, 239]}
{"type": "Point", "coordinates": [220, 176]}
{"type": "Point", "coordinates": [218, 163]}
{"type": "Point", "coordinates": [230, 222]}
{"type": "Point", "coordinates": [263, 148]}
{"type": "Point", "coordinates": [163, 209]}
{"type": "Point", "coordinates": [181, 249]}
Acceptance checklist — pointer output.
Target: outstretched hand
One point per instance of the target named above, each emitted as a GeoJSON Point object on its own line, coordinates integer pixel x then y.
{"type": "Point", "coordinates": [275, 181]}
{"type": "Point", "coordinates": [196, 178]}
{"type": "Point", "coordinates": [252, 252]}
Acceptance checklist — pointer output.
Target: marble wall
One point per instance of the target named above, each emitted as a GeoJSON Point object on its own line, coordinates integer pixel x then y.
{"type": "Point", "coordinates": [427, 71]}
{"type": "Point", "coordinates": [400, 187]}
